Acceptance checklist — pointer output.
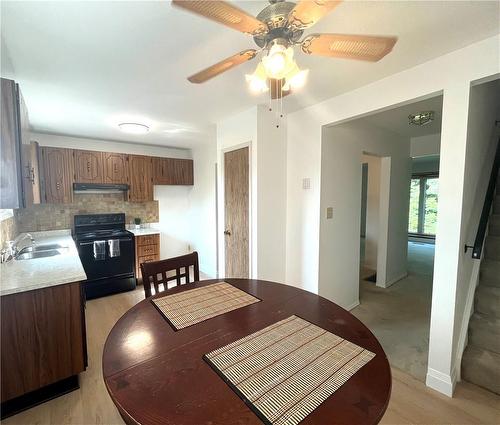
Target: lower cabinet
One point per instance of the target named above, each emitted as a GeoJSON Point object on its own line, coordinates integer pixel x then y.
{"type": "Point", "coordinates": [147, 249]}
{"type": "Point", "coordinates": [43, 338]}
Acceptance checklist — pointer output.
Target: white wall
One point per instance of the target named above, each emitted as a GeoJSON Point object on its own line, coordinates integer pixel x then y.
{"type": "Point", "coordinates": [425, 145]}
{"type": "Point", "coordinates": [202, 206]}
{"type": "Point", "coordinates": [442, 75]}
{"type": "Point", "coordinates": [232, 133]}
{"type": "Point", "coordinates": [257, 128]}
{"type": "Point", "coordinates": [342, 153]}
{"type": "Point", "coordinates": [482, 138]}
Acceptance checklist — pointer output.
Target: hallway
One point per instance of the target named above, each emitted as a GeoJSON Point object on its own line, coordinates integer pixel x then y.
{"type": "Point", "coordinates": [399, 316]}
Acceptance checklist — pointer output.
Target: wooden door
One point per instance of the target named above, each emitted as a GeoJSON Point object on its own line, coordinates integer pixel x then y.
{"type": "Point", "coordinates": [236, 205]}
{"type": "Point", "coordinates": [173, 171]}
{"type": "Point", "coordinates": [88, 167]}
{"type": "Point", "coordinates": [58, 173]}
{"type": "Point", "coordinates": [115, 168]}
{"type": "Point", "coordinates": [141, 178]}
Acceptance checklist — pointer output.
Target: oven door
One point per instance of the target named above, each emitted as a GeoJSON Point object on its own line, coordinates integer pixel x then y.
{"type": "Point", "coordinates": [107, 266]}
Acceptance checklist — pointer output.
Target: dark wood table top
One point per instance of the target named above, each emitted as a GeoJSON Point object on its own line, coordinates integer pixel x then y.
{"type": "Point", "coordinates": [156, 375]}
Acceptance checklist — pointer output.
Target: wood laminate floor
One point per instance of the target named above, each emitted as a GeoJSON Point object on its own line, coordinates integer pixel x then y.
{"type": "Point", "coordinates": [411, 401]}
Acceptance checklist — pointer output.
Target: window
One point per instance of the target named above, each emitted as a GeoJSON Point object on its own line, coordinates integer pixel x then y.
{"type": "Point", "coordinates": [423, 205]}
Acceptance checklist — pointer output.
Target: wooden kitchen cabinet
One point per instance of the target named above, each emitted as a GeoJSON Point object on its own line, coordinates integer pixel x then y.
{"type": "Point", "coordinates": [115, 168]}
{"type": "Point", "coordinates": [141, 178]}
{"type": "Point", "coordinates": [31, 174]}
{"type": "Point", "coordinates": [58, 175]}
{"type": "Point", "coordinates": [89, 166]}
{"type": "Point", "coordinates": [18, 180]}
{"type": "Point", "coordinates": [43, 338]}
{"type": "Point", "coordinates": [147, 249]}
{"type": "Point", "coordinates": [173, 171]}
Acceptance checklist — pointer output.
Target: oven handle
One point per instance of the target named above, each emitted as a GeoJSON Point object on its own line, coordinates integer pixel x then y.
{"type": "Point", "coordinates": [92, 243]}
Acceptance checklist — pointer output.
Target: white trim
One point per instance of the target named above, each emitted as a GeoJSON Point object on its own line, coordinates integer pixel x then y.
{"type": "Point", "coordinates": [222, 246]}
{"type": "Point", "coordinates": [393, 281]}
{"type": "Point", "coordinates": [353, 305]}
{"type": "Point", "coordinates": [441, 382]}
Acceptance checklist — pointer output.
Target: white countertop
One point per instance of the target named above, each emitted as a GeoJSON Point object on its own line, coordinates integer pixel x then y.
{"type": "Point", "coordinates": [27, 275]}
{"type": "Point", "coordinates": [144, 231]}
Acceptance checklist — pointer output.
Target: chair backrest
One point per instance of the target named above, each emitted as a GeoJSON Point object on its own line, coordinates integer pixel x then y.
{"type": "Point", "coordinates": [156, 273]}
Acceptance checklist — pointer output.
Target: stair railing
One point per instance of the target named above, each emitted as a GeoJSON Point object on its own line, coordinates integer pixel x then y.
{"type": "Point", "coordinates": [485, 213]}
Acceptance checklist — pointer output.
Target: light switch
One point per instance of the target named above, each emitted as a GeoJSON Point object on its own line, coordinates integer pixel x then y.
{"type": "Point", "coordinates": [329, 213]}
{"type": "Point", "coordinates": [306, 183]}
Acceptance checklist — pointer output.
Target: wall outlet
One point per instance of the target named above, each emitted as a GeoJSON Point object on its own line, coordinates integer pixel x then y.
{"type": "Point", "coordinates": [329, 213]}
{"type": "Point", "coordinates": [189, 248]}
{"type": "Point", "coordinates": [306, 183]}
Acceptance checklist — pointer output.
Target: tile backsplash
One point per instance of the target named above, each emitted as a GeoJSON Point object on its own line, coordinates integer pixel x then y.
{"type": "Point", "coordinates": [60, 216]}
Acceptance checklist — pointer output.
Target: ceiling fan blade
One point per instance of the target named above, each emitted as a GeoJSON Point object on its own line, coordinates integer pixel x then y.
{"type": "Point", "coordinates": [223, 66]}
{"type": "Point", "coordinates": [307, 12]}
{"type": "Point", "coordinates": [276, 87]}
{"type": "Point", "coordinates": [224, 13]}
{"type": "Point", "coordinates": [361, 47]}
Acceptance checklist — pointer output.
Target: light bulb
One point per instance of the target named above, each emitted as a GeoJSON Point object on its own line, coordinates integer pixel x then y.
{"type": "Point", "coordinates": [298, 80]}
{"type": "Point", "coordinates": [277, 62]}
{"type": "Point", "coordinates": [257, 82]}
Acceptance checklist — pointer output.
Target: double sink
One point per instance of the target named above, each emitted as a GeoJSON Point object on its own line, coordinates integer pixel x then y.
{"type": "Point", "coordinates": [40, 251]}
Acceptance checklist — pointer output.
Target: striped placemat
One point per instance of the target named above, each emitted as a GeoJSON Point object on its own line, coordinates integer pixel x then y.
{"type": "Point", "coordinates": [285, 371]}
{"type": "Point", "coordinates": [196, 305]}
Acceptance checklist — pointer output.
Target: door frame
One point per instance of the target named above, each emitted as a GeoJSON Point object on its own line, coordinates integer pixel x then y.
{"type": "Point", "coordinates": [222, 219]}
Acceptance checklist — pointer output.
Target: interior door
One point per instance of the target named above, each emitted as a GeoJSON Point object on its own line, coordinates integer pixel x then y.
{"type": "Point", "coordinates": [236, 212]}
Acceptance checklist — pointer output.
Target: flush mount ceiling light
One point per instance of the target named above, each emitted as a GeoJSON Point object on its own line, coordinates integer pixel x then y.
{"type": "Point", "coordinates": [421, 118]}
{"type": "Point", "coordinates": [276, 30]}
{"type": "Point", "coordinates": [133, 128]}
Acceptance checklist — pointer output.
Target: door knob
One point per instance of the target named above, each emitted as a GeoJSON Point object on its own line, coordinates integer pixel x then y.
{"type": "Point", "coordinates": [227, 232]}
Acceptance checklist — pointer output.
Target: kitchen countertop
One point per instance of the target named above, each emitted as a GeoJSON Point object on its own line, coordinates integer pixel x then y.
{"type": "Point", "coordinates": [144, 231]}
{"type": "Point", "coordinates": [27, 275]}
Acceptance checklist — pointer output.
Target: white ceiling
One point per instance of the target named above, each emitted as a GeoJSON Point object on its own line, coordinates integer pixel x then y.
{"type": "Point", "coordinates": [396, 120]}
{"type": "Point", "coordinates": [85, 66]}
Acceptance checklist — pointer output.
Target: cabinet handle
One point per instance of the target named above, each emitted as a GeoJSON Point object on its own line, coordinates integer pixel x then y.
{"type": "Point", "coordinates": [32, 175]}
{"type": "Point", "coordinates": [88, 166]}
{"type": "Point", "coordinates": [115, 168]}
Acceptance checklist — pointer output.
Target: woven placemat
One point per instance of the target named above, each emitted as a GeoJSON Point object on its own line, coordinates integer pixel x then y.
{"type": "Point", "coordinates": [197, 305]}
{"type": "Point", "coordinates": [285, 371]}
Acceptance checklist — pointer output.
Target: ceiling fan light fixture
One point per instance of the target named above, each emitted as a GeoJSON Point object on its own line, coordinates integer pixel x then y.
{"type": "Point", "coordinates": [133, 128]}
{"type": "Point", "coordinates": [257, 82]}
{"type": "Point", "coordinates": [278, 60]}
{"type": "Point", "coordinates": [297, 81]}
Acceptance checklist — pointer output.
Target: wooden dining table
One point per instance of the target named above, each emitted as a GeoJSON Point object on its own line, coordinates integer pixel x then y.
{"type": "Point", "coordinates": [156, 375]}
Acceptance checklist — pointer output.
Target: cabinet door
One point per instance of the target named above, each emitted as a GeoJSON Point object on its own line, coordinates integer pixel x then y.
{"type": "Point", "coordinates": [115, 168]}
{"type": "Point", "coordinates": [172, 171]}
{"type": "Point", "coordinates": [141, 178]}
{"type": "Point", "coordinates": [10, 148]}
{"type": "Point", "coordinates": [58, 172]}
{"type": "Point", "coordinates": [88, 167]}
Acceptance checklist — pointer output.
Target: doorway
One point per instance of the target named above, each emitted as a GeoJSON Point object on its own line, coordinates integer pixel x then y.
{"type": "Point", "coordinates": [236, 213]}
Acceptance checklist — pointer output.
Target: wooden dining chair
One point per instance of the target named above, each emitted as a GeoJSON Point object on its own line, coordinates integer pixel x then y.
{"type": "Point", "coordinates": [156, 273]}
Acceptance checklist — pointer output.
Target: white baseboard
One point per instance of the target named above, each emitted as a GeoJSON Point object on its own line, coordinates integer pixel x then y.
{"type": "Point", "coordinates": [441, 382]}
{"type": "Point", "coordinates": [393, 281]}
{"type": "Point", "coordinates": [353, 305]}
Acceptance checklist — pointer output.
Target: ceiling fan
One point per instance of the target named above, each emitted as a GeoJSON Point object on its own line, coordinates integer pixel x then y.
{"type": "Point", "coordinates": [276, 30]}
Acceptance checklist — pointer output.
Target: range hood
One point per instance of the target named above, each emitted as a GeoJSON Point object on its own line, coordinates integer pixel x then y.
{"type": "Point", "coordinates": [99, 187]}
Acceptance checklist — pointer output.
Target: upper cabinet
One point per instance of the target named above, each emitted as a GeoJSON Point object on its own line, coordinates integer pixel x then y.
{"type": "Point", "coordinates": [18, 176]}
{"type": "Point", "coordinates": [116, 168]}
{"type": "Point", "coordinates": [58, 173]}
{"type": "Point", "coordinates": [141, 178]}
{"type": "Point", "coordinates": [172, 171]}
{"type": "Point", "coordinates": [89, 166]}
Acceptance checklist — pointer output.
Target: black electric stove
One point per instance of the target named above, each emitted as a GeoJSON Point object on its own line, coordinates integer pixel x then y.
{"type": "Point", "coordinates": [107, 252]}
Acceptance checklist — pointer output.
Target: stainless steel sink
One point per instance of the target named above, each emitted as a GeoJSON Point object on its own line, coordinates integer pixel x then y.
{"type": "Point", "coordinates": [41, 248]}
{"type": "Point", "coordinates": [37, 254]}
